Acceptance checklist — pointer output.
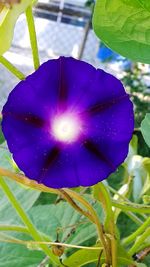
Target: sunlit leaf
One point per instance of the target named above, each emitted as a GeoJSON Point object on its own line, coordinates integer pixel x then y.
{"type": "Point", "coordinates": [146, 185]}
{"type": "Point", "coordinates": [138, 168]}
{"type": "Point", "coordinates": [123, 25]}
{"type": "Point", "coordinates": [124, 191]}
{"type": "Point", "coordinates": [145, 128]}
{"type": "Point", "coordinates": [8, 18]}
{"type": "Point", "coordinates": [141, 265]}
{"type": "Point", "coordinates": [82, 257]}
{"type": "Point", "coordinates": [138, 174]}
{"type": "Point", "coordinates": [133, 146]}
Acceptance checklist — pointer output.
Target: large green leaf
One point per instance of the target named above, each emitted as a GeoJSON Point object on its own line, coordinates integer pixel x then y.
{"type": "Point", "coordinates": [8, 18]}
{"type": "Point", "coordinates": [12, 255]}
{"type": "Point", "coordinates": [75, 228]}
{"type": "Point", "coordinates": [47, 219]}
{"type": "Point", "coordinates": [64, 217]}
{"type": "Point", "coordinates": [52, 217]}
{"type": "Point", "coordinates": [145, 128]}
{"type": "Point", "coordinates": [24, 195]}
{"type": "Point", "coordinates": [123, 25]}
{"type": "Point", "coordinates": [83, 234]}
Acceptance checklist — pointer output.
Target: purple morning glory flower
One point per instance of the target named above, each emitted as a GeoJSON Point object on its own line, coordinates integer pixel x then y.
{"type": "Point", "coordinates": [68, 124]}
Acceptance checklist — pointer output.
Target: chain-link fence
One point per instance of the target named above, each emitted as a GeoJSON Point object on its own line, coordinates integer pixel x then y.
{"type": "Point", "coordinates": [62, 29]}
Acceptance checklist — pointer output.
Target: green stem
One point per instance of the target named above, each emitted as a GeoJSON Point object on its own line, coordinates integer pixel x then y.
{"type": "Point", "coordinates": [12, 68]}
{"type": "Point", "coordinates": [133, 217]}
{"type": "Point", "coordinates": [126, 200]}
{"type": "Point", "coordinates": [21, 229]}
{"type": "Point", "coordinates": [33, 38]}
{"type": "Point", "coordinates": [14, 228]}
{"type": "Point", "coordinates": [103, 196]}
{"type": "Point", "coordinates": [127, 206]}
{"type": "Point", "coordinates": [75, 206]}
{"type": "Point", "coordinates": [81, 200]}
{"type": "Point", "coordinates": [135, 248]}
{"type": "Point", "coordinates": [138, 232]}
{"type": "Point", "coordinates": [10, 239]}
{"type": "Point", "coordinates": [25, 219]}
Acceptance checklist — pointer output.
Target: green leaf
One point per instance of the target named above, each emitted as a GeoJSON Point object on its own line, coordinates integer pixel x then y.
{"type": "Point", "coordinates": [146, 184]}
{"type": "Point", "coordinates": [145, 128]}
{"type": "Point", "coordinates": [123, 25]}
{"type": "Point", "coordinates": [24, 195]}
{"type": "Point", "coordinates": [8, 18]}
{"type": "Point", "coordinates": [74, 228]}
{"type": "Point", "coordinates": [12, 255]}
{"type": "Point", "coordinates": [83, 256]}
{"type": "Point", "coordinates": [141, 265]}
{"type": "Point", "coordinates": [133, 147]}
{"type": "Point", "coordinates": [61, 215]}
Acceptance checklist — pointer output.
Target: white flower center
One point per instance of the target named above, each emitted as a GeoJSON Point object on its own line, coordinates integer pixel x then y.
{"type": "Point", "coordinates": [66, 128]}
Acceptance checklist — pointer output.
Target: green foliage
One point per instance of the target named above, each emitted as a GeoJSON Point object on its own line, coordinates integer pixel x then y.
{"type": "Point", "coordinates": [145, 128]}
{"type": "Point", "coordinates": [54, 217]}
{"type": "Point", "coordinates": [138, 168]}
{"type": "Point", "coordinates": [63, 219]}
{"type": "Point", "coordinates": [12, 255]}
{"type": "Point", "coordinates": [82, 257]}
{"type": "Point", "coordinates": [24, 195]}
{"type": "Point", "coordinates": [123, 25]}
{"type": "Point", "coordinates": [124, 222]}
{"type": "Point", "coordinates": [134, 80]}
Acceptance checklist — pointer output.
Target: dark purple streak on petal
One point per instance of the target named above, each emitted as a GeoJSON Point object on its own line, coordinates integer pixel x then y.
{"type": "Point", "coordinates": [91, 147]}
{"type": "Point", "coordinates": [27, 118]}
{"type": "Point", "coordinates": [50, 158]}
{"type": "Point", "coordinates": [63, 90]}
{"type": "Point", "coordinates": [98, 107]}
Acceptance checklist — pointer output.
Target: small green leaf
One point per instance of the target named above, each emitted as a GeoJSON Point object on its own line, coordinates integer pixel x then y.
{"type": "Point", "coordinates": [8, 18]}
{"type": "Point", "coordinates": [133, 148]}
{"type": "Point", "coordinates": [145, 128]}
{"type": "Point", "coordinates": [123, 25]}
{"type": "Point", "coordinates": [141, 265]}
{"type": "Point", "coordinates": [83, 256]}
{"type": "Point", "coordinates": [146, 184]}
